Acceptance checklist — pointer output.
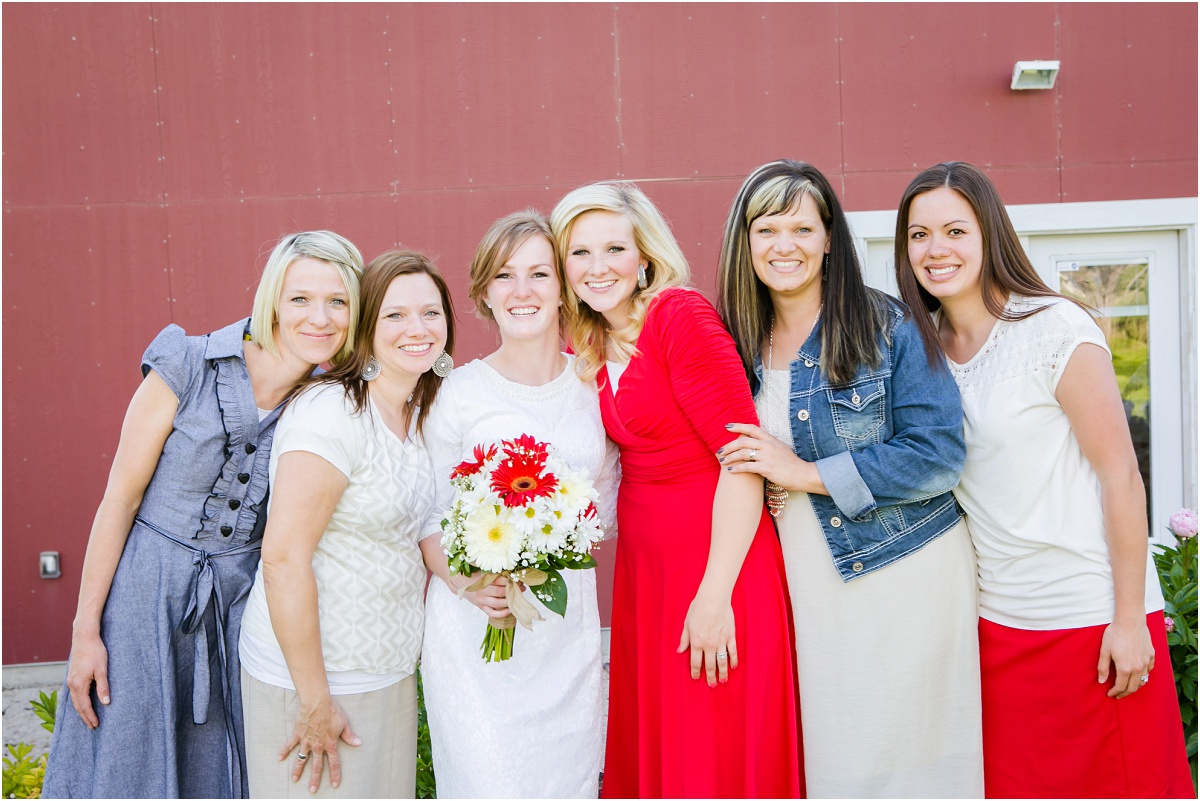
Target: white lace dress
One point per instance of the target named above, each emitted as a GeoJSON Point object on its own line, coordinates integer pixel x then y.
{"type": "Point", "coordinates": [532, 726]}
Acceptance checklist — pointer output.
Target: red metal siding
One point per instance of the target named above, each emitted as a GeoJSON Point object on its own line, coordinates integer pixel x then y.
{"type": "Point", "coordinates": [154, 153]}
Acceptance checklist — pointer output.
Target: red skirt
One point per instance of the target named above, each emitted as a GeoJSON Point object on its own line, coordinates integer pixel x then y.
{"type": "Point", "coordinates": [1051, 731]}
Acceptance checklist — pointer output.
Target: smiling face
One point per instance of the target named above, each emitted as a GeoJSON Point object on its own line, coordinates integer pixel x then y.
{"type": "Point", "coordinates": [411, 330]}
{"type": "Point", "coordinates": [314, 312]}
{"type": "Point", "coordinates": [524, 294]}
{"type": "Point", "coordinates": [602, 263]}
{"type": "Point", "coordinates": [787, 249]}
{"type": "Point", "coordinates": [945, 244]}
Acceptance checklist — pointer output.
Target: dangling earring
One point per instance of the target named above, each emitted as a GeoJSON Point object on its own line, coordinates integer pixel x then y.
{"type": "Point", "coordinates": [371, 369]}
{"type": "Point", "coordinates": [443, 365]}
{"type": "Point", "coordinates": [642, 283]}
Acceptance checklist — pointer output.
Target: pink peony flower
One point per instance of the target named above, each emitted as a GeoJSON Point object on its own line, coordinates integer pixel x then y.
{"type": "Point", "coordinates": [1170, 625]}
{"type": "Point", "coordinates": [1183, 523]}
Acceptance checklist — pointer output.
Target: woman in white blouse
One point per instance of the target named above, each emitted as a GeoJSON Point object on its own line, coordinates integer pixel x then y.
{"type": "Point", "coordinates": [332, 630]}
{"type": "Point", "coordinates": [1078, 695]}
{"type": "Point", "coordinates": [531, 726]}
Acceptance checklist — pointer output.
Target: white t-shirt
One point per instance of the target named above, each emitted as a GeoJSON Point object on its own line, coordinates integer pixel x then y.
{"type": "Point", "coordinates": [1032, 499]}
{"type": "Point", "coordinates": [368, 566]}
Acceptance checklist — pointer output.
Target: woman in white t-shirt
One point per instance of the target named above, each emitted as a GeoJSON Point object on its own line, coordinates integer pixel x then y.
{"type": "Point", "coordinates": [1078, 694]}
{"type": "Point", "coordinates": [332, 630]}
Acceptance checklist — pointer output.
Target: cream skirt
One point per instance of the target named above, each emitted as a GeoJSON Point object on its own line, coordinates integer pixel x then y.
{"type": "Point", "coordinates": [384, 766]}
{"type": "Point", "coordinates": [888, 666]}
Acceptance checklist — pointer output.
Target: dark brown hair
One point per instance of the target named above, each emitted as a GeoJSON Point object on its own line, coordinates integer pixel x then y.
{"type": "Point", "coordinates": [854, 315]}
{"type": "Point", "coordinates": [1006, 269]}
{"type": "Point", "coordinates": [383, 269]}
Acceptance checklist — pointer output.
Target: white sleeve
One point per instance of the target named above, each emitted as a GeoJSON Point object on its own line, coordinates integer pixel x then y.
{"type": "Point", "coordinates": [321, 421]}
{"type": "Point", "coordinates": [608, 481]}
{"type": "Point", "coordinates": [443, 437]}
{"type": "Point", "coordinates": [1077, 328]}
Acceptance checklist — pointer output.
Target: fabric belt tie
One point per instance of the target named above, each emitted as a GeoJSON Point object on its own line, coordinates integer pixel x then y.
{"type": "Point", "coordinates": [205, 588]}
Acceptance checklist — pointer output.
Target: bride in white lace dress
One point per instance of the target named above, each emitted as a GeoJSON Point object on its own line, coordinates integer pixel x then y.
{"type": "Point", "coordinates": [529, 727]}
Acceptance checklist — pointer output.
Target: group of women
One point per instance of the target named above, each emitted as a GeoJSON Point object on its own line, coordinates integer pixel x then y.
{"type": "Point", "coordinates": [788, 472]}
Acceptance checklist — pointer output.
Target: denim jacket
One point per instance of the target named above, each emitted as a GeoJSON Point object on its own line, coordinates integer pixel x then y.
{"type": "Point", "coordinates": [888, 446]}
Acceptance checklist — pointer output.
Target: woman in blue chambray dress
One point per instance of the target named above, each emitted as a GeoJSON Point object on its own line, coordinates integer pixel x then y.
{"type": "Point", "coordinates": [861, 443]}
{"type": "Point", "coordinates": [153, 680]}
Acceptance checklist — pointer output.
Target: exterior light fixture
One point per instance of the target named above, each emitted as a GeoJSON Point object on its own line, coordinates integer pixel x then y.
{"type": "Point", "coordinates": [1034, 75]}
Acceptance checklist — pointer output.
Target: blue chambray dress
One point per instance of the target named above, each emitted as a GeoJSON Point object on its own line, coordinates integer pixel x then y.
{"type": "Point", "coordinates": [174, 613]}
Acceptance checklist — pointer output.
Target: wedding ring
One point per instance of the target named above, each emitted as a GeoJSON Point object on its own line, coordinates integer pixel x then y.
{"type": "Point", "coordinates": [753, 455]}
{"type": "Point", "coordinates": [722, 655]}
{"type": "Point", "coordinates": [1144, 679]}
{"type": "Point", "coordinates": [301, 757]}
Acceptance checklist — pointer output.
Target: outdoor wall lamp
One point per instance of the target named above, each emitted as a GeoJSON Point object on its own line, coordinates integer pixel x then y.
{"type": "Point", "coordinates": [1034, 75]}
{"type": "Point", "coordinates": [49, 566]}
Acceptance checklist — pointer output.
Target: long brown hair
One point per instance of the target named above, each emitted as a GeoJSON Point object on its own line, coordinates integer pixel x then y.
{"type": "Point", "coordinates": [854, 315]}
{"type": "Point", "coordinates": [383, 269]}
{"type": "Point", "coordinates": [1006, 269]}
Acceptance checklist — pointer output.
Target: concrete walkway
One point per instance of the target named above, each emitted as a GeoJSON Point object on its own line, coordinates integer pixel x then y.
{"type": "Point", "coordinates": [22, 683]}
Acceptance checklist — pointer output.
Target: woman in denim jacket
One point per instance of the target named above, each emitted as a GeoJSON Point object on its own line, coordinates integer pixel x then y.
{"type": "Point", "coordinates": [861, 443]}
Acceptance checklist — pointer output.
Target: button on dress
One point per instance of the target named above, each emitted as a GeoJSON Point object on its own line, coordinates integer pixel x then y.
{"type": "Point", "coordinates": [173, 614]}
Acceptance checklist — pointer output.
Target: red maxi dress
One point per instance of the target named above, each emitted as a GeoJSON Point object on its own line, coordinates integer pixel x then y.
{"type": "Point", "coordinates": [669, 735]}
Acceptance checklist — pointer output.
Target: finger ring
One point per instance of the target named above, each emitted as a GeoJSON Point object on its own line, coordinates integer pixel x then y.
{"type": "Point", "coordinates": [722, 655]}
{"type": "Point", "coordinates": [753, 454]}
{"type": "Point", "coordinates": [301, 757]}
{"type": "Point", "coordinates": [1144, 679]}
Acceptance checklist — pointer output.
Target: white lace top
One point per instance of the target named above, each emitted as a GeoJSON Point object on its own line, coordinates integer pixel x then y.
{"type": "Point", "coordinates": [1032, 499]}
{"type": "Point", "coordinates": [368, 565]}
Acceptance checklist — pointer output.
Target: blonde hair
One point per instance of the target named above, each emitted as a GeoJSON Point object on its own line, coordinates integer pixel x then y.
{"type": "Point", "coordinates": [326, 246]}
{"type": "Point", "coordinates": [666, 267]}
{"type": "Point", "coordinates": [505, 236]}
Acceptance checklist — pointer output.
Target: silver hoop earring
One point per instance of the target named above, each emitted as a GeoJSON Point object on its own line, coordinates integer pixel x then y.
{"type": "Point", "coordinates": [642, 283]}
{"type": "Point", "coordinates": [443, 365]}
{"type": "Point", "coordinates": [371, 369]}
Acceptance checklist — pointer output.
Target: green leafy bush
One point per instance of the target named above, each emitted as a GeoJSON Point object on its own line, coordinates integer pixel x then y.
{"type": "Point", "coordinates": [46, 707]}
{"type": "Point", "coordinates": [23, 775]}
{"type": "Point", "coordinates": [426, 782]}
{"type": "Point", "coordinates": [1177, 574]}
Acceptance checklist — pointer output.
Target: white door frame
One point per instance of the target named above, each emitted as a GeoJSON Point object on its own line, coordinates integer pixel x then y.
{"type": "Point", "coordinates": [876, 228]}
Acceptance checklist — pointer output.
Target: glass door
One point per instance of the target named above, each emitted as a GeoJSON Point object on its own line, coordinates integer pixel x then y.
{"type": "Point", "coordinates": [1132, 280]}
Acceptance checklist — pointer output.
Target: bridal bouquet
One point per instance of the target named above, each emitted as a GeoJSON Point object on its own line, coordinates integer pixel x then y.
{"type": "Point", "coordinates": [522, 513]}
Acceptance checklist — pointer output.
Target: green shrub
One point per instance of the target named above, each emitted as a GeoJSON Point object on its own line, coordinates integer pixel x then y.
{"type": "Point", "coordinates": [46, 707]}
{"type": "Point", "coordinates": [426, 782]}
{"type": "Point", "coordinates": [1177, 574]}
{"type": "Point", "coordinates": [23, 775]}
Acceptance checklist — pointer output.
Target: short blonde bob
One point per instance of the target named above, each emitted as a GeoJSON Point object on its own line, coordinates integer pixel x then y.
{"type": "Point", "coordinates": [505, 236]}
{"type": "Point", "coordinates": [326, 246]}
{"type": "Point", "coordinates": [666, 267]}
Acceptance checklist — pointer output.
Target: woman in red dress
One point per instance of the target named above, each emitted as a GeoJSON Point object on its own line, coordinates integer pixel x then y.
{"type": "Point", "coordinates": [702, 693]}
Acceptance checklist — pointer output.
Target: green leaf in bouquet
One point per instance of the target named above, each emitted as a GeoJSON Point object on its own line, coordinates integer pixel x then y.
{"type": "Point", "coordinates": [583, 561]}
{"type": "Point", "coordinates": [553, 593]}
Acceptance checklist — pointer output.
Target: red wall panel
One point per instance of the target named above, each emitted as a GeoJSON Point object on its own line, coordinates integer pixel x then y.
{"type": "Point", "coordinates": [731, 87]}
{"type": "Point", "coordinates": [154, 153]}
{"type": "Point", "coordinates": [501, 96]}
{"type": "Point", "coordinates": [259, 100]}
{"type": "Point", "coordinates": [925, 83]}
{"type": "Point", "coordinates": [81, 118]}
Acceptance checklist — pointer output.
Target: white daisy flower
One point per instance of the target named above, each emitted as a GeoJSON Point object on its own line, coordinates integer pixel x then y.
{"type": "Point", "coordinates": [493, 543]}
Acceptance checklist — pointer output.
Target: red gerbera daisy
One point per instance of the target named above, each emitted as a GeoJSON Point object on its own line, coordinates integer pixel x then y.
{"type": "Point", "coordinates": [470, 468]}
{"type": "Point", "coordinates": [519, 478]}
{"type": "Point", "coordinates": [526, 445]}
